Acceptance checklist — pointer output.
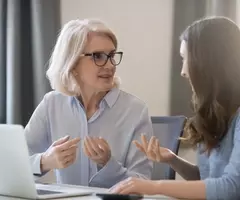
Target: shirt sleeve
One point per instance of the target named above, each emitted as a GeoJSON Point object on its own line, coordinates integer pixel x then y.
{"type": "Point", "coordinates": [137, 165]}
{"type": "Point", "coordinates": [36, 133]}
{"type": "Point", "coordinates": [228, 185]}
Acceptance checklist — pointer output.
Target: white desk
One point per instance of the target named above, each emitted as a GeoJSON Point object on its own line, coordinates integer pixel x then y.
{"type": "Point", "coordinates": [99, 190]}
{"type": "Point", "coordinates": [84, 198]}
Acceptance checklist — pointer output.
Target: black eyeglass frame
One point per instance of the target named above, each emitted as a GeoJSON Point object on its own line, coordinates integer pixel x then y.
{"type": "Point", "coordinates": [109, 56]}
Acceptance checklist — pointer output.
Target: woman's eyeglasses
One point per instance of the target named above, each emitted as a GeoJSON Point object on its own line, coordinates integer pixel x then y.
{"type": "Point", "coordinates": [101, 58]}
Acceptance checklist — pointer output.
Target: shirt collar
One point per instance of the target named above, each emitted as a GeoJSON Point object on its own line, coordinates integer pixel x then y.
{"type": "Point", "coordinates": [111, 97]}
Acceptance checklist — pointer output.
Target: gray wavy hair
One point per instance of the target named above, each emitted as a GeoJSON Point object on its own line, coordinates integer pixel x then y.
{"type": "Point", "coordinates": [69, 46]}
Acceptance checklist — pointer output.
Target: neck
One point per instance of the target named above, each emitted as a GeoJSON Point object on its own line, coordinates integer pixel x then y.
{"type": "Point", "coordinates": [91, 100]}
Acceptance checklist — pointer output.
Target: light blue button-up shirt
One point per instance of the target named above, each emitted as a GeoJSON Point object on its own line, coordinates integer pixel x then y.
{"type": "Point", "coordinates": [221, 170]}
{"type": "Point", "coordinates": [121, 118]}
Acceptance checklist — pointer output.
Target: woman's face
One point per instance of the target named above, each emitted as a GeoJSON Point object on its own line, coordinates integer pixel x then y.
{"type": "Point", "coordinates": [185, 69]}
{"type": "Point", "coordinates": [95, 70]}
{"type": "Point", "coordinates": [183, 53]}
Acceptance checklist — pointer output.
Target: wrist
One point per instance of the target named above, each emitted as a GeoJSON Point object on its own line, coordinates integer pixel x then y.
{"type": "Point", "coordinates": [101, 165]}
{"type": "Point", "coordinates": [172, 160]}
{"type": "Point", "coordinates": [157, 185]}
{"type": "Point", "coordinates": [43, 164]}
{"type": "Point", "coordinates": [107, 160]}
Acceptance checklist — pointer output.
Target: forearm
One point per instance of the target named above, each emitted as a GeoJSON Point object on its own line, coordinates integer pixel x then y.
{"type": "Point", "coordinates": [182, 189]}
{"type": "Point", "coordinates": [185, 169]}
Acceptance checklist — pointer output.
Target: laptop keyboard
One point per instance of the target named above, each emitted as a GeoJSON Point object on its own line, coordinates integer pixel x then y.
{"type": "Point", "coordinates": [46, 192]}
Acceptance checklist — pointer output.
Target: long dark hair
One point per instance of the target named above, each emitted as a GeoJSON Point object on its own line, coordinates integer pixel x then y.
{"type": "Point", "coordinates": [213, 46]}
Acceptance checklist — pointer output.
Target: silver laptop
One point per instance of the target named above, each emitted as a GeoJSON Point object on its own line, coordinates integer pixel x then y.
{"type": "Point", "coordinates": [16, 177]}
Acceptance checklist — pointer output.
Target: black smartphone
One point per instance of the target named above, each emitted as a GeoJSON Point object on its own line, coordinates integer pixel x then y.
{"type": "Point", "coordinates": [105, 196]}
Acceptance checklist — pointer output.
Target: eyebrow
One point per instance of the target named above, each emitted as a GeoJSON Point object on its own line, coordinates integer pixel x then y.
{"type": "Point", "coordinates": [104, 50]}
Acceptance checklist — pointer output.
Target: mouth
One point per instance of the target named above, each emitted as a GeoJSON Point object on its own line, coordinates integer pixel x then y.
{"type": "Point", "coordinates": [105, 76]}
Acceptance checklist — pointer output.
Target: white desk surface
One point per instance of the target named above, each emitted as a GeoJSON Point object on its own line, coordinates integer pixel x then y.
{"type": "Point", "coordinates": [99, 190]}
{"type": "Point", "coordinates": [84, 198]}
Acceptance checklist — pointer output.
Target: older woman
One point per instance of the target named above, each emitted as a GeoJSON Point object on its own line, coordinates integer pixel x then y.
{"type": "Point", "coordinates": [83, 130]}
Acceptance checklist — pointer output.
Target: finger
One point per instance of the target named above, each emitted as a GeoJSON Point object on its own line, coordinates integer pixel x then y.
{"type": "Point", "coordinates": [69, 163]}
{"type": "Point", "coordinates": [151, 144]}
{"type": "Point", "coordinates": [93, 142]}
{"type": "Point", "coordinates": [144, 142]}
{"type": "Point", "coordinates": [103, 144]}
{"type": "Point", "coordinates": [89, 148]}
{"type": "Point", "coordinates": [127, 189]}
{"type": "Point", "coordinates": [69, 143]}
{"type": "Point", "coordinates": [151, 156]}
{"type": "Point", "coordinates": [112, 189]}
{"type": "Point", "coordinates": [62, 163]}
{"type": "Point", "coordinates": [86, 151]}
{"type": "Point", "coordinates": [121, 187]}
{"type": "Point", "coordinates": [139, 146]}
{"type": "Point", "coordinates": [158, 153]}
{"type": "Point", "coordinates": [116, 190]}
{"type": "Point", "coordinates": [61, 140]}
{"type": "Point", "coordinates": [70, 151]}
{"type": "Point", "coordinates": [69, 160]}
{"type": "Point", "coordinates": [118, 187]}
{"type": "Point", "coordinates": [106, 151]}
{"type": "Point", "coordinates": [151, 151]}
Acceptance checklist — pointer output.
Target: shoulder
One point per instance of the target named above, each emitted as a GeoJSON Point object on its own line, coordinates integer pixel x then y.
{"type": "Point", "coordinates": [132, 99]}
{"type": "Point", "coordinates": [235, 125]}
{"type": "Point", "coordinates": [132, 102]}
{"type": "Point", "coordinates": [56, 101]}
{"type": "Point", "coordinates": [54, 96]}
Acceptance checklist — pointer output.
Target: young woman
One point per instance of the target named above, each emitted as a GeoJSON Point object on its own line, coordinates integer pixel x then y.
{"type": "Point", "coordinates": [210, 49]}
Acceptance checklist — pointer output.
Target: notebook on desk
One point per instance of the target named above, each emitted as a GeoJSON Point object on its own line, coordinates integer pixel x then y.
{"type": "Point", "coordinates": [16, 178]}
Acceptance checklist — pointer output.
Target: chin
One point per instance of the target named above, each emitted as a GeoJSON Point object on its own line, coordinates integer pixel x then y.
{"type": "Point", "coordinates": [106, 87]}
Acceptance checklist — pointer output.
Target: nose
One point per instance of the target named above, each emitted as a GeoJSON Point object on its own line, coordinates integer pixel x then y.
{"type": "Point", "coordinates": [184, 72]}
{"type": "Point", "coordinates": [183, 75]}
{"type": "Point", "coordinates": [109, 64]}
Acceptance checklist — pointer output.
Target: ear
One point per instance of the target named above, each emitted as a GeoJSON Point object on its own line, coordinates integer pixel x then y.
{"type": "Point", "coordinates": [74, 72]}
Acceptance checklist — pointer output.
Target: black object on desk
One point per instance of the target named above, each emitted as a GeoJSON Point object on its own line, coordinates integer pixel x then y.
{"type": "Point", "coordinates": [118, 196]}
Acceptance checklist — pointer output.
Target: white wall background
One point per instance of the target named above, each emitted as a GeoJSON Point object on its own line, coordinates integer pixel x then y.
{"type": "Point", "coordinates": [144, 31]}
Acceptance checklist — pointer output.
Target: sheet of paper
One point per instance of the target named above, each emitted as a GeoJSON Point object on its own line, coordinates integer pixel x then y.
{"type": "Point", "coordinates": [64, 188]}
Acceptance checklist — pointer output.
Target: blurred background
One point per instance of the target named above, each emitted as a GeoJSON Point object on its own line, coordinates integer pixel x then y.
{"type": "Point", "coordinates": [148, 32]}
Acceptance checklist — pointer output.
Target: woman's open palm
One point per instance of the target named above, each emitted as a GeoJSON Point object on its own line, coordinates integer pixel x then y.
{"type": "Point", "coordinates": [153, 150]}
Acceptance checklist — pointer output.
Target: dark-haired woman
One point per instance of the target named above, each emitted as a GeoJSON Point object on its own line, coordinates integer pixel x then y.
{"type": "Point", "coordinates": [210, 49]}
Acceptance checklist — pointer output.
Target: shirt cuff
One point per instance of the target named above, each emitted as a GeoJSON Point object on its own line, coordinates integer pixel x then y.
{"type": "Point", "coordinates": [113, 167]}
{"type": "Point", "coordinates": [36, 164]}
